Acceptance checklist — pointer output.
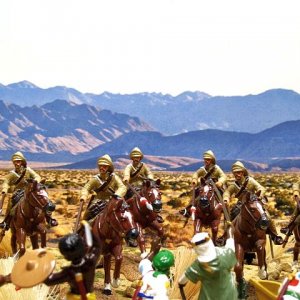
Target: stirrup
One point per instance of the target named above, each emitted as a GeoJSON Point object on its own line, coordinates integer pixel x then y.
{"type": "Point", "coordinates": [52, 222]}
{"type": "Point", "coordinates": [159, 219]}
{"type": "Point", "coordinates": [4, 225]}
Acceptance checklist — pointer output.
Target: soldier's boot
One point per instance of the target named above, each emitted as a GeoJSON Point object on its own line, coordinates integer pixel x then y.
{"type": "Point", "coordinates": [52, 222]}
{"type": "Point", "coordinates": [5, 224]}
{"type": "Point", "coordinates": [159, 218]}
{"type": "Point", "coordinates": [272, 231]}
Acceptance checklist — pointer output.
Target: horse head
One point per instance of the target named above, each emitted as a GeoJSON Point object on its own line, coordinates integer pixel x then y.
{"type": "Point", "coordinates": [252, 210]}
{"type": "Point", "coordinates": [121, 220]}
{"type": "Point", "coordinates": [151, 191]}
{"type": "Point", "coordinates": [37, 196]}
{"type": "Point", "coordinates": [205, 196]}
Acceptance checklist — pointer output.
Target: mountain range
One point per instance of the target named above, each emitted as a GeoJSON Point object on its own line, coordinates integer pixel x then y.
{"type": "Point", "coordinates": [74, 128]}
{"type": "Point", "coordinates": [171, 115]}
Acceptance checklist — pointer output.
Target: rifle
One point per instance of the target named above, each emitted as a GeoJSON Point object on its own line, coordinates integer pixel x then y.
{"type": "Point", "coordinates": [1, 202]}
{"type": "Point", "coordinates": [226, 214]}
{"type": "Point", "coordinates": [78, 216]}
{"type": "Point", "coordinates": [133, 190]}
{"type": "Point", "coordinates": [182, 294]}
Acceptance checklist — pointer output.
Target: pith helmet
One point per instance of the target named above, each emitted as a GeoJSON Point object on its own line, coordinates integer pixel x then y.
{"type": "Point", "coordinates": [136, 152]}
{"type": "Point", "coordinates": [239, 166]}
{"type": "Point", "coordinates": [163, 261]}
{"type": "Point", "coordinates": [209, 155]}
{"type": "Point", "coordinates": [18, 156]}
{"type": "Point", "coordinates": [105, 160]}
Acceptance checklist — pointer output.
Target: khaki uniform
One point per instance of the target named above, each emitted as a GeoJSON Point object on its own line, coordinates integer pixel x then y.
{"type": "Point", "coordinates": [8, 185]}
{"type": "Point", "coordinates": [115, 186]}
{"type": "Point", "coordinates": [252, 186]}
{"type": "Point", "coordinates": [136, 180]}
{"type": "Point", "coordinates": [217, 175]}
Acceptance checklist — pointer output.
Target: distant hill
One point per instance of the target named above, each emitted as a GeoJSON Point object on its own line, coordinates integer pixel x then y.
{"type": "Point", "coordinates": [189, 111]}
{"type": "Point", "coordinates": [61, 127]}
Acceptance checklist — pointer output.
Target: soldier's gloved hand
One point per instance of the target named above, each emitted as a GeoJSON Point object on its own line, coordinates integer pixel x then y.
{"type": "Point", "coordinates": [144, 202]}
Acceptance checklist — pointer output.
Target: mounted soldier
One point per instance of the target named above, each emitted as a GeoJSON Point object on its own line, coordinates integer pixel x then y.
{"type": "Point", "coordinates": [103, 186]}
{"type": "Point", "coordinates": [15, 182]}
{"type": "Point", "coordinates": [245, 182]}
{"type": "Point", "coordinates": [136, 172]}
{"type": "Point", "coordinates": [210, 170]}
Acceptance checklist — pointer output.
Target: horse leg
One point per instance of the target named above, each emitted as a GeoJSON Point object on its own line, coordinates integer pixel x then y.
{"type": "Point", "coordinates": [214, 231]}
{"type": "Point", "coordinates": [159, 229]}
{"type": "Point", "coordinates": [117, 252]}
{"type": "Point", "coordinates": [197, 226]}
{"type": "Point", "coordinates": [141, 240]}
{"type": "Point", "coordinates": [261, 257]}
{"type": "Point", "coordinates": [13, 241]}
{"type": "Point", "coordinates": [34, 241]}
{"type": "Point", "coordinates": [238, 269]}
{"type": "Point", "coordinates": [43, 233]}
{"type": "Point", "coordinates": [107, 279]}
{"type": "Point", "coordinates": [21, 240]}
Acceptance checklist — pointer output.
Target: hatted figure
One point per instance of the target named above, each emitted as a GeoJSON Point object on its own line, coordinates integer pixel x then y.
{"type": "Point", "coordinates": [213, 268]}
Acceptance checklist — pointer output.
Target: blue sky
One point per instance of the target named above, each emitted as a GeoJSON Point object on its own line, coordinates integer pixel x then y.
{"type": "Point", "coordinates": [225, 47]}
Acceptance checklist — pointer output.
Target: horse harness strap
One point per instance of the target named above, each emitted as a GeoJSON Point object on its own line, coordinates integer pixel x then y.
{"type": "Point", "coordinates": [137, 171]}
{"type": "Point", "coordinates": [241, 187]}
{"type": "Point", "coordinates": [104, 184]}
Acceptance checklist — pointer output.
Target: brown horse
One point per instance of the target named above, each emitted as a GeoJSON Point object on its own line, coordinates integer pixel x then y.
{"type": "Point", "coordinates": [29, 217]}
{"type": "Point", "coordinates": [109, 228]}
{"type": "Point", "coordinates": [146, 215]}
{"type": "Point", "coordinates": [208, 210]}
{"type": "Point", "coordinates": [250, 236]}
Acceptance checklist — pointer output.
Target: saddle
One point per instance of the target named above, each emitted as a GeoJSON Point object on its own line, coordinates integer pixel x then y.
{"type": "Point", "coordinates": [17, 196]}
{"type": "Point", "coordinates": [95, 209]}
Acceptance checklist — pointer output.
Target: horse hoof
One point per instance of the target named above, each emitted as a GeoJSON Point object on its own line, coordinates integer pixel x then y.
{"type": "Point", "coordinates": [107, 292]}
{"type": "Point", "coordinates": [115, 283]}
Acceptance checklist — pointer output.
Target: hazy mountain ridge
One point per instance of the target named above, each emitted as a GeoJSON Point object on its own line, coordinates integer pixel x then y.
{"type": "Point", "coordinates": [170, 115]}
{"type": "Point", "coordinates": [61, 126]}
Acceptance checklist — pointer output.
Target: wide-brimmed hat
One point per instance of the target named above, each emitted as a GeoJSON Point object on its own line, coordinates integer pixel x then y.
{"type": "Point", "coordinates": [136, 152]}
{"type": "Point", "coordinates": [18, 156]}
{"type": "Point", "coordinates": [209, 155]}
{"type": "Point", "coordinates": [106, 160]}
{"type": "Point", "coordinates": [204, 247]}
{"type": "Point", "coordinates": [238, 167]}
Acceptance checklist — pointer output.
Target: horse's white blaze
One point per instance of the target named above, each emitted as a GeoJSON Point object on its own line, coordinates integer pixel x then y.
{"type": "Point", "coordinates": [206, 189]}
{"type": "Point", "coordinates": [128, 215]}
{"type": "Point", "coordinates": [260, 208]}
{"type": "Point", "coordinates": [155, 193]}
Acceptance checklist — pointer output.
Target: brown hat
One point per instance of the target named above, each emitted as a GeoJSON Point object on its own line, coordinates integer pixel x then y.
{"type": "Point", "coordinates": [18, 156]}
{"type": "Point", "coordinates": [239, 166]}
{"type": "Point", "coordinates": [136, 152]}
{"type": "Point", "coordinates": [209, 155]}
{"type": "Point", "coordinates": [106, 160]}
{"type": "Point", "coordinates": [33, 268]}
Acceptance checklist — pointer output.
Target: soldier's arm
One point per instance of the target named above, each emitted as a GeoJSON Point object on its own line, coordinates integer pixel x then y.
{"type": "Point", "coordinates": [257, 186]}
{"type": "Point", "coordinates": [34, 175]}
{"type": "Point", "coordinates": [8, 182]}
{"type": "Point", "coordinates": [88, 188]}
{"type": "Point", "coordinates": [121, 188]}
{"type": "Point", "coordinates": [148, 173]}
{"type": "Point", "coordinates": [199, 173]}
{"type": "Point", "coordinates": [229, 192]}
{"type": "Point", "coordinates": [126, 176]}
{"type": "Point", "coordinates": [222, 178]}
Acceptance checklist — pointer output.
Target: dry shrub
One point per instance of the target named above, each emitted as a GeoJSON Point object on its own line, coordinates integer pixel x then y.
{"type": "Point", "coordinates": [184, 257]}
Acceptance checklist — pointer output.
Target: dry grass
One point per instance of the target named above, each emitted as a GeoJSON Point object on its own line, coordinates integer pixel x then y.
{"type": "Point", "coordinates": [64, 188]}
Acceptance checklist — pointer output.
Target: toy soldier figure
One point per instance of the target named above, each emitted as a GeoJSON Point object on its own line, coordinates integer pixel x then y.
{"type": "Point", "coordinates": [210, 170]}
{"type": "Point", "coordinates": [15, 182]}
{"type": "Point", "coordinates": [104, 185]}
{"type": "Point", "coordinates": [245, 182]}
{"type": "Point", "coordinates": [136, 172]}
{"type": "Point", "coordinates": [213, 268]}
